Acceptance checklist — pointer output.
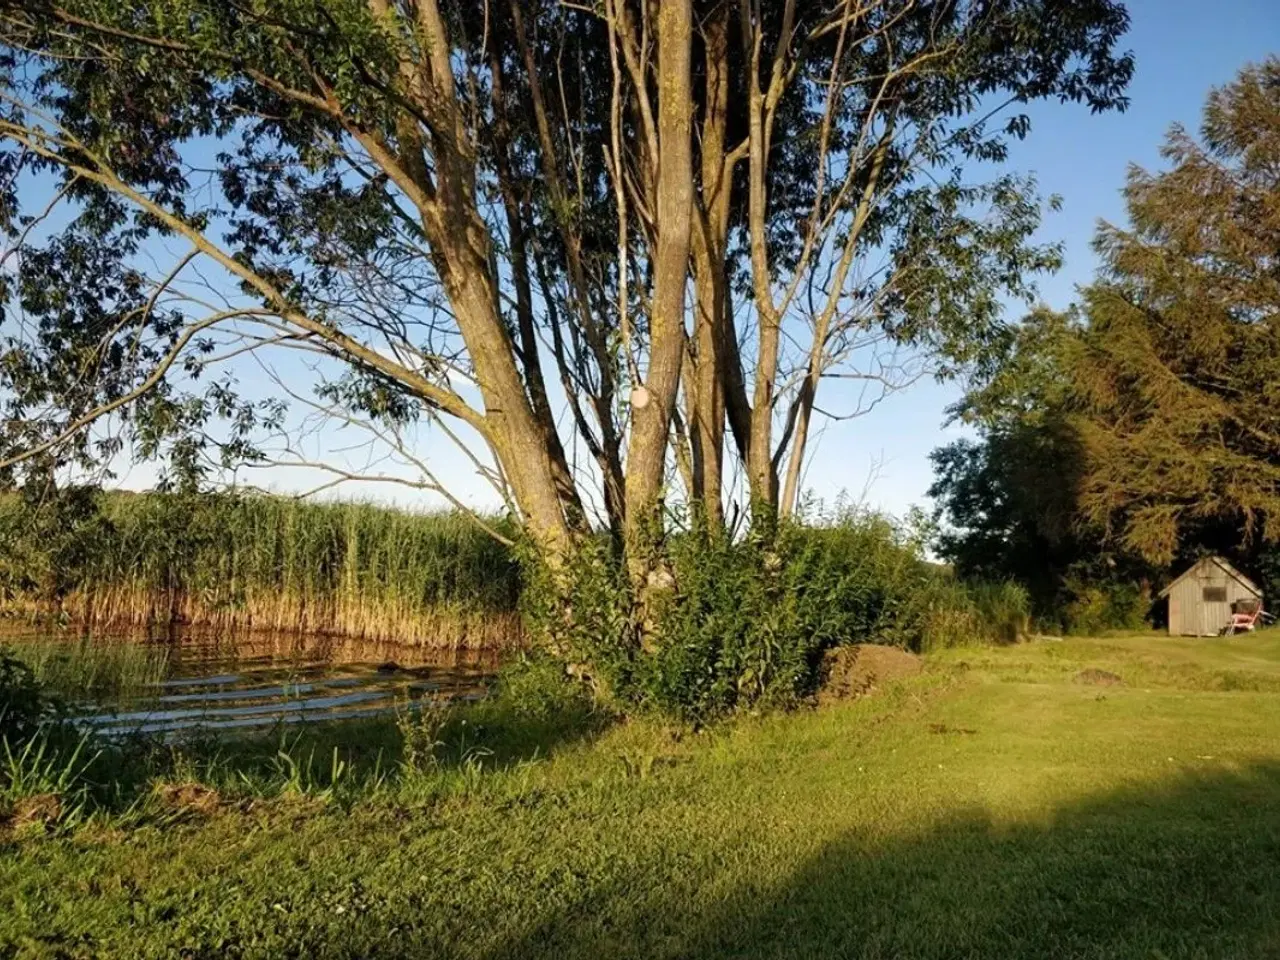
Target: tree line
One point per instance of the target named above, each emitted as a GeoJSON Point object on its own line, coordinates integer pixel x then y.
{"type": "Point", "coordinates": [615, 253]}
{"type": "Point", "coordinates": [1140, 429]}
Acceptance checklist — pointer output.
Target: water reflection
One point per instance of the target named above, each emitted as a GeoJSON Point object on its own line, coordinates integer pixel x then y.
{"type": "Point", "coordinates": [201, 682]}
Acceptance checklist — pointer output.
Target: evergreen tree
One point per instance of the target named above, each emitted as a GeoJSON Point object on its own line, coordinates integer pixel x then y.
{"type": "Point", "coordinates": [1177, 380]}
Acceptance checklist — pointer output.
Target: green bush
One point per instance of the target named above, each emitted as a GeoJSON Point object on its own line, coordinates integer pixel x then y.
{"type": "Point", "coordinates": [23, 703]}
{"type": "Point", "coordinates": [746, 623]}
{"type": "Point", "coordinates": [536, 686]}
{"type": "Point", "coordinates": [741, 624]}
{"type": "Point", "coordinates": [1095, 607]}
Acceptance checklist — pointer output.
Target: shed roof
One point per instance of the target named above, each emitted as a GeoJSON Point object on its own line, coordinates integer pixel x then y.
{"type": "Point", "coordinates": [1226, 567]}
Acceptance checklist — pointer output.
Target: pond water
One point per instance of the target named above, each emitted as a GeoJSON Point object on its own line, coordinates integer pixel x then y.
{"type": "Point", "coordinates": [182, 685]}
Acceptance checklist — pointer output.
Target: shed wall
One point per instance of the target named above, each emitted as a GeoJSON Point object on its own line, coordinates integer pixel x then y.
{"type": "Point", "coordinates": [1190, 615]}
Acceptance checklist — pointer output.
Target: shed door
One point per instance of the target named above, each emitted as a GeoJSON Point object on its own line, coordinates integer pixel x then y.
{"type": "Point", "coordinates": [1215, 611]}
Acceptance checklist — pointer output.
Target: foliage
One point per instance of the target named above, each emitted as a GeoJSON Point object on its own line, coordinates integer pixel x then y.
{"type": "Point", "coordinates": [51, 540]}
{"type": "Point", "coordinates": [1127, 438]}
{"type": "Point", "coordinates": [43, 761]}
{"type": "Point", "coordinates": [23, 703]}
{"type": "Point", "coordinates": [1178, 374]}
{"type": "Point", "coordinates": [390, 210]}
{"type": "Point", "coordinates": [400, 195]}
{"type": "Point", "coordinates": [50, 769]}
{"type": "Point", "coordinates": [1008, 502]}
{"type": "Point", "coordinates": [954, 613]}
{"type": "Point", "coordinates": [421, 731]}
{"type": "Point", "coordinates": [1097, 606]}
{"type": "Point", "coordinates": [536, 686]}
{"type": "Point", "coordinates": [744, 624]}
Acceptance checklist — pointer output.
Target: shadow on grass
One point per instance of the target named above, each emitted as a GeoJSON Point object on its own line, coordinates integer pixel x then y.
{"type": "Point", "coordinates": [1191, 869]}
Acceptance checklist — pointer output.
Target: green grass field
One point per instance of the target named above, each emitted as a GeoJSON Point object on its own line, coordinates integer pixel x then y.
{"type": "Point", "coordinates": [993, 807]}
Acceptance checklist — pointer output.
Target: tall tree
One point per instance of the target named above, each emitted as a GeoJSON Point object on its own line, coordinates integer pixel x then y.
{"type": "Point", "coordinates": [1178, 375]}
{"type": "Point", "coordinates": [1009, 500]}
{"type": "Point", "coordinates": [482, 218]}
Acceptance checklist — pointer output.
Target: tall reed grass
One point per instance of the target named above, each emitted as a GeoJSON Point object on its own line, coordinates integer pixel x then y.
{"type": "Point", "coordinates": [87, 667]}
{"type": "Point", "coordinates": [259, 562]}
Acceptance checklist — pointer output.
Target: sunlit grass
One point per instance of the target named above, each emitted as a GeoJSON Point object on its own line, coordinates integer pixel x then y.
{"type": "Point", "coordinates": [993, 807]}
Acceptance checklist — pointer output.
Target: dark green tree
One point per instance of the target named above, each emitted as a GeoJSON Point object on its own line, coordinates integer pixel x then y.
{"type": "Point", "coordinates": [1009, 499]}
{"type": "Point", "coordinates": [1177, 380]}
{"type": "Point", "coordinates": [1124, 442]}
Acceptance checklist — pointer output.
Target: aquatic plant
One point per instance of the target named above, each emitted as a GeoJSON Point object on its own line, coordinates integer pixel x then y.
{"type": "Point", "coordinates": [262, 562]}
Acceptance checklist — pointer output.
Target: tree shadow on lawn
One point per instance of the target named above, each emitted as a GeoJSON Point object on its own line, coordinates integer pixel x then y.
{"type": "Point", "coordinates": [1190, 869]}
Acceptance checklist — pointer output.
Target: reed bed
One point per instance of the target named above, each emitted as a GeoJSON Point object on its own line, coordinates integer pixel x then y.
{"type": "Point", "coordinates": [349, 569]}
{"type": "Point", "coordinates": [85, 667]}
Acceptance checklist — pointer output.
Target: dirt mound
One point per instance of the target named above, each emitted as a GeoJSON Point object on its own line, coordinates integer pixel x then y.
{"type": "Point", "coordinates": [1098, 678]}
{"type": "Point", "coordinates": [188, 798]}
{"type": "Point", "coordinates": [31, 815]}
{"type": "Point", "coordinates": [857, 670]}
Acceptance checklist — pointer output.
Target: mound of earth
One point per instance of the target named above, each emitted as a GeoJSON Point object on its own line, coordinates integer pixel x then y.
{"type": "Point", "coordinates": [32, 814]}
{"type": "Point", "coordinates": [188, 797]}
{"type": "Point", "coordinates": [859, 669]}
{"type": "Point", "coordinates": [1098, 678]}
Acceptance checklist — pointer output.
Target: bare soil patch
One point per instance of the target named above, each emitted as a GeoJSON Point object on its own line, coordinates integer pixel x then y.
{"type": "Point", "coordinates": [1098, 678]}
{"type": "Point", "coordinates": [859, 669]}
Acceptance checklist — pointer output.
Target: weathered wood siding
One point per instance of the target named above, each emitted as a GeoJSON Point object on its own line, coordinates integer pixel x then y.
{"type": "Point", "coordinates": [1191, 614]}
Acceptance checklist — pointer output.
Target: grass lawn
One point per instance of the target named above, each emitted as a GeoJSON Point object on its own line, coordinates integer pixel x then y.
{"type": "Point", "coordinates": [993, 807]}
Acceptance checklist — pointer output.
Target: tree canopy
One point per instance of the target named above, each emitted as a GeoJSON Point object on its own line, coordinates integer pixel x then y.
{"type": "Point", "coordinates": [1179, 374]}
{"type": "Point", "coordinates": [451, 199]}
{"type": "Point", "coordinates": [1140, 429]}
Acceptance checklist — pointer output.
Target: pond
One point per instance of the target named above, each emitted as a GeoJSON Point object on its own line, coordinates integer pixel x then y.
{"type": "Point", "coordinates": [191, 684]}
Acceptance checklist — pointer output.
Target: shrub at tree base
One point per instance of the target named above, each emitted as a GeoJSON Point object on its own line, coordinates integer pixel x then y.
{"type": "Point", "coordinates": [745, 624]}
{"type": "Point", "coordinates": [23, 705]}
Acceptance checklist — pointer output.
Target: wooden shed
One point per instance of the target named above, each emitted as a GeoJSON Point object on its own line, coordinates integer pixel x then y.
{"type": "Point", "coordinates": [1200, 601]}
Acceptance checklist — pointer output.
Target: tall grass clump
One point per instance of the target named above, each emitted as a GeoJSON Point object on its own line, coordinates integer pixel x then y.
{"type": "Point", "coordinates": [42, 760]}
{"type": "Point", "coordinates": [123, 560]}
{"type": "Point", "coordinates": [949, 612]}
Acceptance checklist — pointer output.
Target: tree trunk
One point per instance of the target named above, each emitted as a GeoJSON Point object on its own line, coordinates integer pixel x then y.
{"type": "Point", "coordinates": [651, 416]}
{"type": "Point", "coordinates": [711, 346]}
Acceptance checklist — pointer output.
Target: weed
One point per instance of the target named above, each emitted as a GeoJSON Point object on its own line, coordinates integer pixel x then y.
{"type": "Point", "coordinates": [40, 780]}
{"type": "Point", "coordinates": [421, 731]}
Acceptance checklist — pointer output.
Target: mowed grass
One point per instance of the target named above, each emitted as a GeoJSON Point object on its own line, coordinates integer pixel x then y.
{"type": "Point", "coordinates": [993, 807]}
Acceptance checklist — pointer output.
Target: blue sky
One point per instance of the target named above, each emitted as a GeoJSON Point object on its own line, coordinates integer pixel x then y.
{"type": "Point", "coordinates": [1182, 49]}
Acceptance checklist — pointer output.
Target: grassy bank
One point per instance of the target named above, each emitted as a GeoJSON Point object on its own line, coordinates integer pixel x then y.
{"type": "Point", "coordinates": [113, 561]}
{"type": "Point", "coordinates": [996, 806]}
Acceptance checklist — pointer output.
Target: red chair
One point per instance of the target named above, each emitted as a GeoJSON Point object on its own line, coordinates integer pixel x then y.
{"type": "Point", "coordinates": [1245, 615]}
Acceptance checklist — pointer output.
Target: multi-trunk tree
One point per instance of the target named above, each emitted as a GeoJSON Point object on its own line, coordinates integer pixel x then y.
{"type": "Point", "coordinates": [612, 250]}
